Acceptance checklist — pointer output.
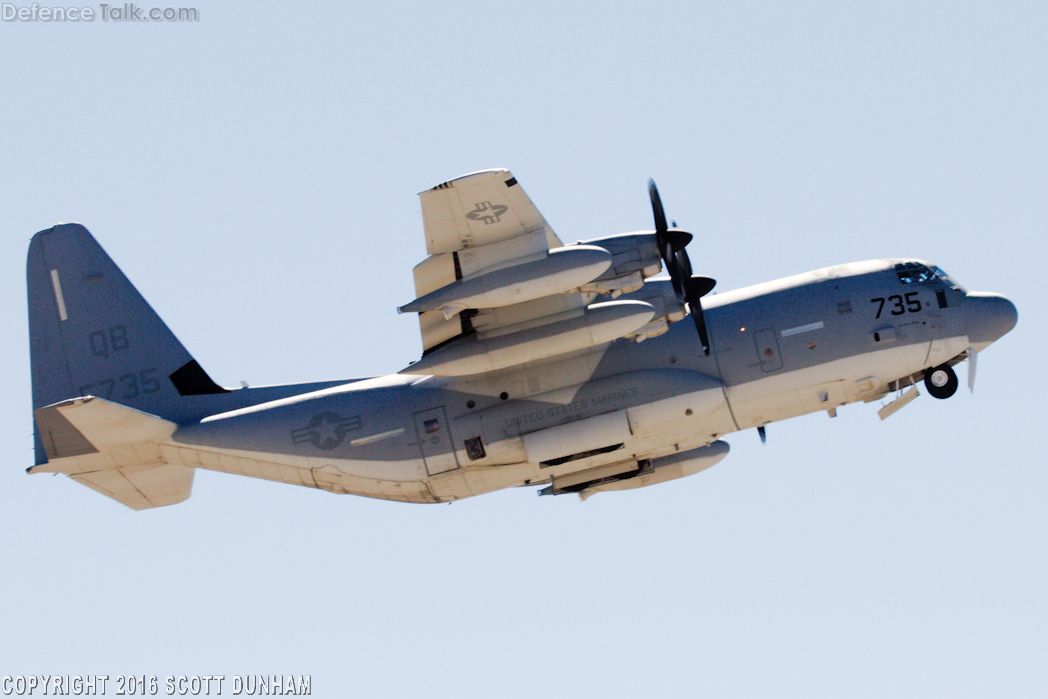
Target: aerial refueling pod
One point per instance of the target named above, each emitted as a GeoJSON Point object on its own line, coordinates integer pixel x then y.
{"type": "Point", "coordinates": [475, 354]}
{"type": "Point", "coordinates": [667, 468]}
{"type": "Point", "coordinates": [558, 271]}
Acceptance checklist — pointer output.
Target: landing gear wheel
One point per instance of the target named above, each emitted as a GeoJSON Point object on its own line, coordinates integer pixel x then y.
{"type": "Point", "coordinates": [941, 381]}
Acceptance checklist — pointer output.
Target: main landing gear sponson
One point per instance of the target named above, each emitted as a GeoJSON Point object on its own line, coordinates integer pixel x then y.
{"type": "Point", "coordinates": [941, 381]}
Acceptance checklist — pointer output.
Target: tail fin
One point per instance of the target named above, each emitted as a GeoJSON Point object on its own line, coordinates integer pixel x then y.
{"type": "Point", "coordinates": [92, 333]}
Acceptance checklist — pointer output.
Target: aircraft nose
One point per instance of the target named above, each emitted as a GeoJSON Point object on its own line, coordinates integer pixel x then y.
{"type": "Point", "coordinates": [987, 317]}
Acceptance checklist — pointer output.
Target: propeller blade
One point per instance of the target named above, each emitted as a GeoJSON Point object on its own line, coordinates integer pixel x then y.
{"type": "Point", "coordinates": [669, 258]}
{"type": "Point", "coordinates": [674, 237]}
{"type": "Point", "coordinates": [699, 287]}
{"type": "Point", "coordinates": [700, 325]}
{"type": "Point", "coordinates": [694, 289]}
{"type": "Point", "coordinates": [687, 288]}
{"type": "Point", "coordinates": [972, 355]}
{"type": "Point", "coordinates": [666, 243]}
{"type": "Point", "coordinates": [656, 206]}
{"type": "Point", "coordinates": [685, 264]}
{"type": "Point", "coordinates": [684, 272]}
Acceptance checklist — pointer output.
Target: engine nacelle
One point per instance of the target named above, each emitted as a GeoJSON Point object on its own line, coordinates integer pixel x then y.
{"type": "Point", "coordinates": [635, 257]}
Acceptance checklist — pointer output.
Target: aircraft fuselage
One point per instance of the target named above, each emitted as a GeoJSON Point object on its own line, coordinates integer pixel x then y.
{"type": "Point", "coordinates": [808, 343]}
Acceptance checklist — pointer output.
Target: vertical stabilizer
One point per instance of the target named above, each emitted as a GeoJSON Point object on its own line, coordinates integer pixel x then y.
{"type": "Point", "coordinates": [92, 334]}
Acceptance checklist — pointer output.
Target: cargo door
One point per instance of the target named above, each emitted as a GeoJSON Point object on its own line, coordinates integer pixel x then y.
{"type": "Point", "coordinates": [768, 349]}
{"type": "Point", "coordinates": [434, 438]}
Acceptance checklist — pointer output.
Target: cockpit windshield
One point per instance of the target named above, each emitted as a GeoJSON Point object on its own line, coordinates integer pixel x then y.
{"type": "Point", "coordinates": [950, 281]}
{"type": "Point", "coordinates": [917, 273]}
{"type": "Point", "coordinates": [913, 273]}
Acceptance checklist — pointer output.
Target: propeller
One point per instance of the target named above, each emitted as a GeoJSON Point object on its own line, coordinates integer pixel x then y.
{"type": "Point", "coordinates": [689, 288]}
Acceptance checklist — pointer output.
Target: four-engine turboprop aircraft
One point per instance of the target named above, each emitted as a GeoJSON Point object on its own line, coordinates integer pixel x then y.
{"type": "Point", "coordinates": [547, 364]}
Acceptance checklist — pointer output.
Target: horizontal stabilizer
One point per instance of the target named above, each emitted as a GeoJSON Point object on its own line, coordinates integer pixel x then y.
{"type": "Point", "coordinates": [113, 450]}
{"type": "Point", "coordinates": [142, 487]}
{"type": "Point", "coordinates": [89, 425]}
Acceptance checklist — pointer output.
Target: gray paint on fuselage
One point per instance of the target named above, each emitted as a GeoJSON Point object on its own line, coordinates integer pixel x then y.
{"type": "Point", "coordinates": [838, 297]}
{"type": "Point", "coordinates": [842, 304]}
{"type": "Point", "coordinates": [278, 427]}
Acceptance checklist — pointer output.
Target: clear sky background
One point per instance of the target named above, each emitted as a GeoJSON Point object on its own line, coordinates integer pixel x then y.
{"type": "Point", "coordinates": [255, 175]}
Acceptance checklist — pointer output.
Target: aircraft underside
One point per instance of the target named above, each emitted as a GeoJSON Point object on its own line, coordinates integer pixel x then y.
{"type": "Point", "coordinates": [677, 426]}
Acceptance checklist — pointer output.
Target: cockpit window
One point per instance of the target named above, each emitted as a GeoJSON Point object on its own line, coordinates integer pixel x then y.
{"type": "Point", "coordinates": [939, 274]}
{"type": "Point", "coordinates": [914, 273]}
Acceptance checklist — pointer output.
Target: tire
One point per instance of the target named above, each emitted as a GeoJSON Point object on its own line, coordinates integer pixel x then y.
{"type": "Point", "coordinates": [941, 381]}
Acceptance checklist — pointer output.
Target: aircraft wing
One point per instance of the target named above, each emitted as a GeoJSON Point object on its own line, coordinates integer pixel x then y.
{"type": "Point", "coordinates": [500, 289]}
{"type": "Point", "coordinates": [479, 209]}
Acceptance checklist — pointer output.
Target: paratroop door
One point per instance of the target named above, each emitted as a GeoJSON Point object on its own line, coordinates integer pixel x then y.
{"type": "Point", "coordinates": [435, 440]}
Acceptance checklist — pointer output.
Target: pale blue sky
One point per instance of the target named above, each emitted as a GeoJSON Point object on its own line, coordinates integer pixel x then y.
{"type": "Point", "coordinates": [255, 175]}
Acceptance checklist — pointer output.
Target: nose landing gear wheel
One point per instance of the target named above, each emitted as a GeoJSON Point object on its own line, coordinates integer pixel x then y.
{"type": "Point", "coordinates": [941, 381]}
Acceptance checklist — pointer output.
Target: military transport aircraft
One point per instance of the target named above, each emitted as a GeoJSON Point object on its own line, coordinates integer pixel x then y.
{"type": "Point", "coordinates": [564, 366]}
